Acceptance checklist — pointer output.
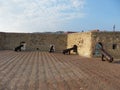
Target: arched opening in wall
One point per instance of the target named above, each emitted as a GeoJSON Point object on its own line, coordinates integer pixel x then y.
{"type": "Point", "coordinates": [114, 46]}
{"type": "Point", "coordinates": [37, 48]}
{"type": "Point", "coordinates": [98, 47]}
{"type": "Point", "coordinates": [24, 45]}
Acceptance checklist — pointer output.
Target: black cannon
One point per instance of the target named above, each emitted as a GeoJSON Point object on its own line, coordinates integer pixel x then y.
{"type": "Point", "coordinates": [106, 55]}
{"type": "Point", "coordinates": [67, 51]}
{"type": "Point", "coordinates": [18, 48]}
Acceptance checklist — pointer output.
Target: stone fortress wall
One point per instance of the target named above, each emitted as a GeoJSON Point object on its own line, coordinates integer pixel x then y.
{"type": "Point", "coordinates": [2, 40]}
{"type": "Point", "coordinates": [33, 40]}
{"type": "Point", "coordinates": [108, 39]}
{"type": "Point", "coordinates": [85, 41]}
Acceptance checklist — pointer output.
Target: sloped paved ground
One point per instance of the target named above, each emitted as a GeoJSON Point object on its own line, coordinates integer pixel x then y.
{"type": "Point", "coordinates": [54, 71]}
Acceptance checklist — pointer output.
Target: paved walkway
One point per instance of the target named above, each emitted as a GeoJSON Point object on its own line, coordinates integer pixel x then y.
{"type": "Point", "coordinates": [54, 71]}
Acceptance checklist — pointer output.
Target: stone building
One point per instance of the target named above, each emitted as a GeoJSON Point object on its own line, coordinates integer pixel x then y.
{"type": "Point", "coordinates": [85, 41]}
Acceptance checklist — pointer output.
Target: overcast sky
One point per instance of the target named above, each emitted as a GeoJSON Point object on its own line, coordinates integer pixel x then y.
{"type": "Point", "coordinates": [58, 15]}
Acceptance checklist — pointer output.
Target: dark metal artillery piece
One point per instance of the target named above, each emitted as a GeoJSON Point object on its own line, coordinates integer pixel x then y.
{"type": "Point", "coordinates": [19, 48]}
{"type": "Point", "coordinates": [99, 51]}
{"type": "Point", "coordinates": [106, 55]}
{"type": "Point", "coordinates": [67, 51]}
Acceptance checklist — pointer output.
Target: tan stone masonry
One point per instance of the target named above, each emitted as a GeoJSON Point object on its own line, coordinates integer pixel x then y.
{"type": "Point", "coordinates": [85, 41]}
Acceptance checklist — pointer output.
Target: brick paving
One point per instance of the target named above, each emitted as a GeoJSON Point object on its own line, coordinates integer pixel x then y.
{"type": "Point", "coordinates": [35, 70]}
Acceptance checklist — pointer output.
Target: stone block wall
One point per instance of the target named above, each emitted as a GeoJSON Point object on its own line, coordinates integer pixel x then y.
{"type": "Point", "coordinates": [34, 41]}
{"type": "Point", "coordinates": [2, 41]}
{"type": "Point", "coordinates": [107, 39]}
{"type": "Point", "coordinates": [13, 39]}
{"type": "Point", "coordinates": [83, 41]}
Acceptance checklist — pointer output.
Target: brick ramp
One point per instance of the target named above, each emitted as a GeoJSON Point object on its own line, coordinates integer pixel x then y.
{"type": "Point", "coordinates": [54, 71]}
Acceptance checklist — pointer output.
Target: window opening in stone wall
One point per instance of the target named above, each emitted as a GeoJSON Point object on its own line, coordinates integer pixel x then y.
{"type": "Point", "coordinates": [114, 46]}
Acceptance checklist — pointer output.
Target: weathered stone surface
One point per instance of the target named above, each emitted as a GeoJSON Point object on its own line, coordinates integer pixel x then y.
{"type": "Point", "coordinates": [34, 41]}
{"type": "Point", "coordinates": [107, 39]}
{"type": "Point", "coordinates": [2, 41]}
{"type": "Point", "coordinates": [85, 41]}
